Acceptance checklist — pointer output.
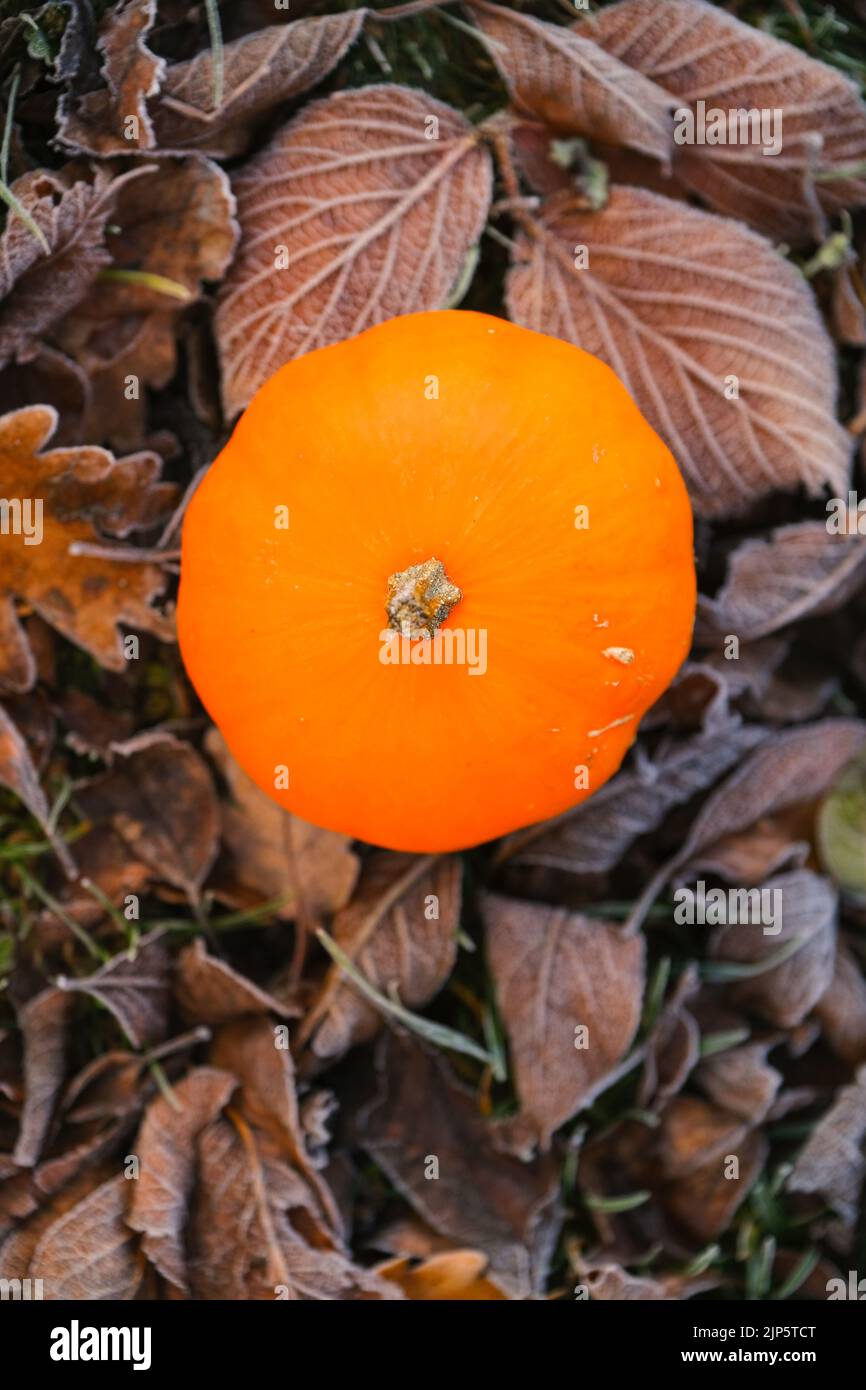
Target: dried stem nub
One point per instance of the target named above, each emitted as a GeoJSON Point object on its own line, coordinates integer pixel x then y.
{"type": "Point", "coordinates": [420, 598]}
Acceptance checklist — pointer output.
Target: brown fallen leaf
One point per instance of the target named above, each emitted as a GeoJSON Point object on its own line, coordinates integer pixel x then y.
{"type": "Point", "coordinates": [714, 334]}
{"type": "Point", "coordinates": [159, 798]}
{"type": "Point", "coordinates": [700, 698]}
{"type": "Point", "coordinates": [805, 687]}
{"type": "Point", "coordinates": [807, 912]}
{"type": "Point", "coordinates": [267, 1098]}
{"type": "Point", "coordinates": [847, 309]}
{"type": "Point", "coordinates": [606, 1281]}
{"type": "Point", "coordinates": [90, 1252]}
{"type": "Point", "coordinates": [569, 990]}
{"type": "Point", "coordinates": [84, 597]}
{"type": "Point", "coordinates": [800, 571]}
{"type": "Point", "coordinates": [40, 281]}
{"type": "Point", "coordinates": [18, 774]}
{"type": "Point", "coordinates": [841, 1010]}
{"type": "Point", "coordinates": [787, 769]}
{"type": "Point", "coordinates": [279, 856]}
{"type": "Point", "coordinates": [452, 1275]}
{"type": "Point", "coordinates": [242, 1240]}
{"type": "Point", "coordinates": [261, 70]}
{"type": "Point", "coordinates": [741, 1080]}
{"type": "Point", "coordinates": [400, 929]}
{"type": "Point", "coordinates": [16, 1250]}
{"type": "Point", "coordinates": [103, 860]}
{"type": "Point", "coordinates": [594, 837]}
{"type": "Point", "coordinates": [673, 1175]}
{"type": "Point", "coordinates": [378, 222]}
{"type": "Point", "coordinates": [166, 1151]}
{"type": "Point", "coordinates": [418, 1115]}
{"type": "Point", "coordinates": [765, 848]}
{"type": "Point", "coordinates": [115, 119]}
{"type": "Point", "coordinates": [696, 1143]}
{"type": "Point", "coordinates": [699, 52]}
{"type": "Point", "coordinates": [44, 1022]}
{"type": "Point", "coordinates": [51, 378]}
{"type": "Point", "coordinates": [209, 991]}
{"type": "Point", "coordinates": [832, 1162]}
{"type": "Point", "coordinates": [563, 77]}
{"type": "Point", "coordinates": [173, 230]}
{"type": "Point", "coordinates": [135, 987]}
{"type": "Point", "coordinates": [672, 1047]}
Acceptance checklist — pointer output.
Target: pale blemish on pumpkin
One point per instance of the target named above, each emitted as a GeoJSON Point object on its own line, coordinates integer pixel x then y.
{"type": "Point", "coordinates": [596, 733]}
{"type": "Point", "coordinates": [623, 654]}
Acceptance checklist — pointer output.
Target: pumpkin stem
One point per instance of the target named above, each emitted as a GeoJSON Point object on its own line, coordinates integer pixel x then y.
{"type": "Point", "coordinates": [420, 598]}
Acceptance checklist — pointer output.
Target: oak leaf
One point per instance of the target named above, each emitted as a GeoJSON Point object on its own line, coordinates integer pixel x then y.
{"type": "Point", "coordinates": [83, 596]}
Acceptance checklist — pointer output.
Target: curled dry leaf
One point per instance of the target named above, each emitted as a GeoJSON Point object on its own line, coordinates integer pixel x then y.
{"type": "Point", "coordinates": [48, 378]}
{"type": "Point", "coordinates": [260, 71]}
{"type": "Point", "coordinates": [38, 286]}
{"type": "Point", "coordinates": [278, 856]}
{"type": "Point", "coordinates": [804, 912]}
{"type": "Point", "coordinates": [173, 224]}
{"type": "Point", "coordinates": [114, 119]}
{"type": "Point", "coordinates": [697, 51]}
{"type": "Point", "coordinates": [741, 1080]}
{"type": "Point", "coordinates": [800, 571]}
{"type": "Point", "coordinates": [681, 1165]}
{"type": "Point", "coordinates": [841, 1010]}
{"type": "Point", "coordinates": [563, 77]}
{"type": "Point", "coordinates": [832, 1162]}
{"type": "Point", "coordinates": [267, 1099]}
{"type": "Point", "coordinates": [209, 991]}
{"type": "Point", "coordinates": [166, 1151]}
{"type": "Point", "coordinates": [242, 1240]}
{"type": "Point", "coordinates": [16, 1250]}
{"type": "Point", "coordinates": [84, 597]}
{"type": "Point", "coordinates": [694, 1143]}
{"type": "Point", "coordinates": [44, 1023]}
{"type": "Point", "coordinates": [790, 767]}
{"type": "Point", "coordinates": [595, 836]}
{"type": "Point", "coordinates": [569, 990]}
{"type": "Point", "coordinates": [90, 1252]}
{"type": "Point", "coordinates": [19, 775]}
{"type": "Point", "coordinates": [772, 844]}
{"type": "Point", "coordinates": [685, 306]}
{"type": "Point", "coordinates": [364, 207]}
{"type": "Point", "coordinates": [400, 929]}
{"type": "Point", "coordinates": [672, 1047]}
{"type": "Point", "coordinates": [606, 1281]}
{"type": "Point", "coordinates": [418, 1112]}
{"type": "Point", "coordinates": [135, 987]}
{"type": "Point", "coordinates": [160, 799]}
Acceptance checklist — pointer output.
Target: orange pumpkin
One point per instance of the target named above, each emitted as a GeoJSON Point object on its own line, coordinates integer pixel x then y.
{"type": "Point", "coordinates": [434, 579]}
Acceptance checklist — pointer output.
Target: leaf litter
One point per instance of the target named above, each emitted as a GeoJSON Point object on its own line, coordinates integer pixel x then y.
{"type": "Point", "coordinates": [286, 1029]}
